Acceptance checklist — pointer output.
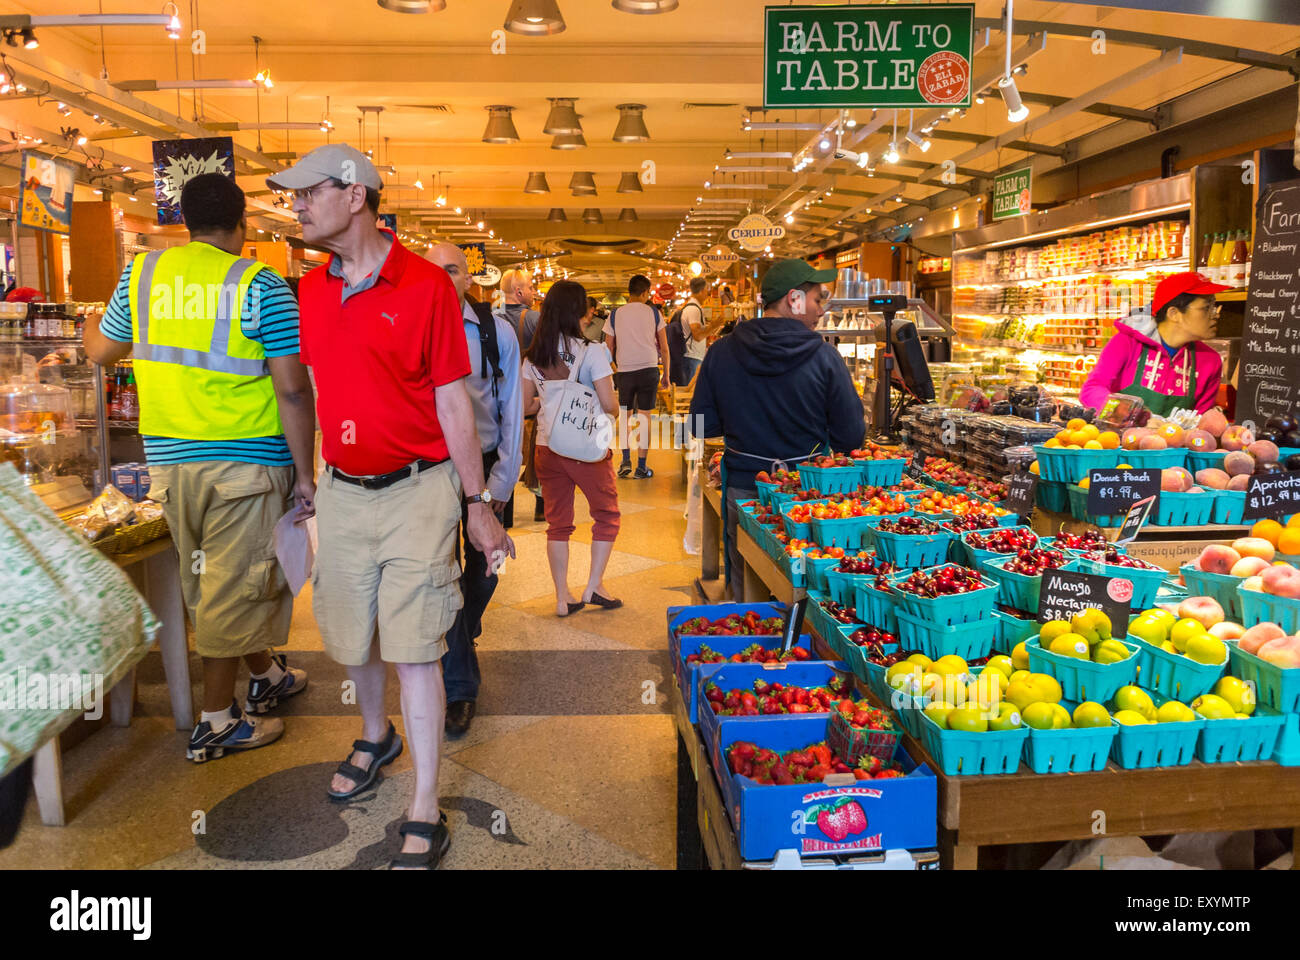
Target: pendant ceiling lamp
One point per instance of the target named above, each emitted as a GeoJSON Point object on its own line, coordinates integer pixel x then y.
{"type": "Point", "coordinates": [556, 215]}
{"type": "Point", "coordinates": [592, 215]}
{"type": "Point", "coordinates": [537, 184]}
{"type": "Point", "coordinates": [500, 126]}
{"type": "Point", "coordinates": [414, 6]}
{"type": "Point", "coordinates": [583, 184]}
{"type": "Point", "coordinates": [535, 18]}
{"type": "Point", "coordinates": [563, 119]}
{"type": "Point", "coordinates": [627, 215]}
{"type": "Point", "coordinates": [645, 6]}
{"type": "Point", "coordinates": [629, 183]}
{"type": "Point", "coordinates": [569, 142]}
{"type": "Point", "coordinates": [631, 127]}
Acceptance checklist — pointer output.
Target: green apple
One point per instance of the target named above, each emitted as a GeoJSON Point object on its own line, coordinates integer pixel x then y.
{"type": "Point", "coordinates": [1070, 645]}
{"type": "Point", "coordinates": [1091, 714]}
{"type": "Point", "coordinates": [1184, 630]}
{"type": "Point", "coordinates": [1159, 616]}
{"type": "Point", "coordinates": [1008, 718]}
{"type": "Point", "coordinates": [1130, 718]}
{"type": "Point", "coordinates": [1172, 711]}
{"type": "Point", "coordinates": [1239, 694]}
{"type": "Point", "coordinates": [1040, 715]}
{"type": "Point", "coordinates": [1020, 656]}
{"type": "Point", "coordinates": [1110, 651]}
{"type": "Point", "coordinates": [938, 712]}
{"type": "Point", "coordinates": [1137, 700]}
{"type": "Point", "coordinates": [1213, 707]}
{"type": "Point", "coordinates": [1002, 663]}
{"type": "Point", "coordinates": [969, 718]}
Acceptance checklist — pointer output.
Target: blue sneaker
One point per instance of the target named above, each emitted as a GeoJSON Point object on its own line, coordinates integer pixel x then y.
{"type": "Point", "coordinates": [263, 695]}
{"type": "Point", "coordinates": [241, 733]}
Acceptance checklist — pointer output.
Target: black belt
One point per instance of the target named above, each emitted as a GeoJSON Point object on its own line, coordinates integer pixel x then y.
{"type": "Point", "coordinates": [384, 479]}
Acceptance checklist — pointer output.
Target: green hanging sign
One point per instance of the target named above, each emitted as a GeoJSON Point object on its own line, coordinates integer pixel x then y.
{"type": "Point", "coordinates": [1012, 193]}
{"type": "Point", "coordinates": [894, 56]}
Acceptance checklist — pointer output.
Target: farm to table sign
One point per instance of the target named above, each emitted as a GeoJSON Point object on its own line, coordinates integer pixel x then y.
{"type": "Point", "coordinates": [901, 56]}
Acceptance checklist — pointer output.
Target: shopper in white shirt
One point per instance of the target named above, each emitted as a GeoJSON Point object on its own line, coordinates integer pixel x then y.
{"type": "Point", "coordinates": [696, 328]}
{"type": "Point", "coordinates": [638, 341]}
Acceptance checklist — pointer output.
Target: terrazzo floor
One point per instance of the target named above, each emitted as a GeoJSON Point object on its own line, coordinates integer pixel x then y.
{"type": "Point", "coordinates": [570, 762]}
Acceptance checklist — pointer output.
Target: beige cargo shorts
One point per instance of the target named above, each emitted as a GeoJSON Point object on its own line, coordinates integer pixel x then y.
{"type": "Point", "coordinates": [386, 561]}
{"type": "Point", "coordinates": [222, 516]}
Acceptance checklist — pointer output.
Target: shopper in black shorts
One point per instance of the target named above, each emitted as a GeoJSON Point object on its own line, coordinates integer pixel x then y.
{"type": "Point", "coordinates": [638, 342]}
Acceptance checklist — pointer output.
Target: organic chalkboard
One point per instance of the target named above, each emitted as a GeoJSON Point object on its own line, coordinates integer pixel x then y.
{"type": "Point", "coordinates": [1269, 381]}
{"type": "Point", "coordinates": [1133, 520]}
{"type": "Point", "coordinates": [1066, 593]}
{"type": "Point", "coordinates": [1272, 495]}
{"type": "Point", "coordinates": [1115, 490]}
{"type": "Point", "coordinates": [1020, 494]}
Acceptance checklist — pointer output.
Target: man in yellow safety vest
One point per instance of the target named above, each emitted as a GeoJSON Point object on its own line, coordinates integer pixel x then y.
{"type": "Point", "coordinates": [226, 414]}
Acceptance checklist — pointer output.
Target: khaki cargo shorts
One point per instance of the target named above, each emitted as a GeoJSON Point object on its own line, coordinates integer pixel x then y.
{"type": "Point", "coordinates": [222, 516]}
{"type": "Point", "coordinates": [386, 562]}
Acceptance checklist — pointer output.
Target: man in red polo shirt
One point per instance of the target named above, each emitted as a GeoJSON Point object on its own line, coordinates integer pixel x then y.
{"type": "Point", "coordinates": [382, 331]}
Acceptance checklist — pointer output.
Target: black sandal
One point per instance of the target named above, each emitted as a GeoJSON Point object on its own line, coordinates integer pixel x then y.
{"type": "Point", "coordinates": [384, 753]}
{"type": "Point", "coordinates": [605, 602]}
{"type": "Point", "coordinates": [429, 859]}
{"type": "Point", "coordinates": [573, 608]}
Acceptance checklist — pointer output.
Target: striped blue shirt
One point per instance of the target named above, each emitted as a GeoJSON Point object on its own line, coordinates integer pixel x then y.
{"type": "Point", "coordinates": [271, 318]}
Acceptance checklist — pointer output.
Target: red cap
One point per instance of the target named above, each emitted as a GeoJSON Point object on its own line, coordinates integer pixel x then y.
{"type": "Point", "coordinates": [1181, 283]}
{"type": "Point", "coordinates": [23, 295]}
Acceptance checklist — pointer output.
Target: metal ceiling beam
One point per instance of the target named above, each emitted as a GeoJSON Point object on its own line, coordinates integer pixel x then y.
{"type": "Point", "coordinates": [1024, 145]}
{"type": "Point", "coordinates": [1102, 109]}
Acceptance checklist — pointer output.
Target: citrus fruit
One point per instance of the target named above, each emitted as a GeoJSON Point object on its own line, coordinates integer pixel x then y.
{"type": "Point", "coordinates": [1269, 530]}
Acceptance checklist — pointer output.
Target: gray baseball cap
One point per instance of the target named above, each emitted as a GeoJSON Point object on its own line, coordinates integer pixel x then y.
{"type": "Point", "coordinates": [337, 160]}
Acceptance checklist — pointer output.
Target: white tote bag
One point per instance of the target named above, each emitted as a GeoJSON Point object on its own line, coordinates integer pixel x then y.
{"type": "Point", "coordinates": [576, 424]}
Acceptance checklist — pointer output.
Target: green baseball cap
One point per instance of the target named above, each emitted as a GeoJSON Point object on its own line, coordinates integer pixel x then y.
{"type": "Point", "coordinates": [786, 275]}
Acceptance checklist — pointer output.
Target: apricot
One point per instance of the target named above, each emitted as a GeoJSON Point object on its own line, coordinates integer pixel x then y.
{"type": "Point", "coordinates": [1239, 482]}
{"type": "Point", "coordinates": [1175, 480]}
{"type": "Point", "coordinates": [1108, 439]}
{"type": "Point", "coordinates": [1076, 424]}
{"type": "Point", "coordinates": [1288, 541]}
{"type": "Point", "coordinates": [1264, 451]}
{"type": "Point", "coordinates": [1269, 530]}
{"type": "Point", "coordinates": [1236, 437]}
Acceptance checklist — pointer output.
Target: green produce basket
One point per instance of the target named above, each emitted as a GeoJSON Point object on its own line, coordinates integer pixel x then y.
{"type": "Point", "coordinates": [1071, 466]}
{"type": "Point", "coordinates": [974, 556]}
{"type": "Point", "coordinates": [1154, 459]}
{"type": "Point", "coordinates": [1204, 461]}
{"type": "Point", "coordinates": [1183, 509]}
{"type": "Point", "coordinates": [1232, 741]}
{"type": "Point", "coordinates": [877, 607]}
{"type": "Point", "coordinates": [1229, 507]}
{"type": "Point", "coordinates": [1146, 583]}
{"type": "Point", "coordinates": [1069, 750]}
{"type": "Point", "coordinates": [1258, 606]}
{"type": "Point", "coordinates": [1014, 589]}
{"type": "Point", "coordinates": [1051, 496]}
{"type": "Point", "coordinates": [765, 491]}
{"type": "Point", "coordinates": [883, 473]}
{"type": "Point", "coordinates": [945, 610]}
{"type": "Point", "coordinates": [1288, 742]}
{"type": "Point", "coordinates": [905, 550]}
{"type": "Point", "coordinates": [830, 479]}
{"type": "Point", "coordinates": [972, 640]}
{"type": "Point", "coordinates": [815, 569]}
{"type": "Point", "coordinates": [841, 586]}
{"type": "Point", "coordinates": [1012, 630]}
{"type": "Point", "coordinates": [1172, 674]}
{"type": "Point", "coordinates": [851, 533]}
{"type": "Point", "coordinates": [1277, 688]}
{"type": "Point", "coordinates": [1221, 587]}
{"type": "Point", "coordinates": [973, 754]}
{"type": "Point", "coordinates": [1156, 744]}
{"type": "Point", "coordinates": [1082, 679]}
{"type": "Point", "coordinates": [1079, 509]}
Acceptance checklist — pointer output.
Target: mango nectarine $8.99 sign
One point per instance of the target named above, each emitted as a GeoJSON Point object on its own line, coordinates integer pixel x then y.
{"type": "Point", "coordinates": [1065, 593]}
{"type": "Point", "coordinates": [1272, 495]}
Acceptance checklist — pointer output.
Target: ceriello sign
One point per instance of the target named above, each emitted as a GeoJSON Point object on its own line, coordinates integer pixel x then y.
{"type": "Point", "coordinates": [755, 232]}
{"type": "Point", "coordinates": [719, 258]}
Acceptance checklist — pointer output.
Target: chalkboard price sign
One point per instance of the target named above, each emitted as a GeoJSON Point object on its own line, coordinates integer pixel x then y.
{"type": "Point", "coordinates": [1270, 340]}
{"type": "Point", "coordinates": [1133, 520]}
{"type": "Point", "coordinates": [1272, 495]}
{"type": "Point", "coordinates": [1113, 491]}
{"type": "Point", "coordinates": [1020, 494]}
{"type": "Point", "coordinates": [917, 472]}
{"type": "Point", "coordinates": [1066, 593]}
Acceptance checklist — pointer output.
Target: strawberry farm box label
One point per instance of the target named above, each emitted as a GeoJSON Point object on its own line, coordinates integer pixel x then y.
{"type": "Point", "coordinates": [1011, 193]}
{"type": "Point", "coordinates": [898, 55]}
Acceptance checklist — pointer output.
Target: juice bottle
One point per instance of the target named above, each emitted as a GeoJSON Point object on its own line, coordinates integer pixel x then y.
{"type": "Point", "coordinates": [1237, 265]}
{"type": "Point", "coordinates": [1215, 271]}
{"type": "Point", "coordinates": [1203, 259]}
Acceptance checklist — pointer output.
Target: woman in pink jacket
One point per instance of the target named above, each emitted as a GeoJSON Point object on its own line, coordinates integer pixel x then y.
{"type": "Point", "coordinates": [1159, 356]}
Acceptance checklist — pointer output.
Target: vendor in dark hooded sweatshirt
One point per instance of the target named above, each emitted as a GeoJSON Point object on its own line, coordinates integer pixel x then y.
{"type": "Point", "coordinates": [1160, 356]}
{"type": "Point", "coordinates": [775, 391]}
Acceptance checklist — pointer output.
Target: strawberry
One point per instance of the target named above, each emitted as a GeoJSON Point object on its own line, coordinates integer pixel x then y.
{"type": "Point", "coordinates": [889, 774]}
{"type": "Point", "coordinates": [761, 687]}
{"type": "Point", "coordinates": [799, 708]}
{"type": "Point", "coordinates": [870, 764]}
{"type": "Point", "coordinates": [854, 816]}
{"type": "Point", "coordinates": [731, 700]}
{"type": "Point", "coordinates": [747, 699]}
{"type": "Point", "coordinates": [838, 683]}
{"type": "Point", "coordinates": [781, 773]}
{"type": "Point", "coordinates": [715, 706]}
{"type": "Point", "coordinates": [839, 766]}
{"type": "Point", "coordinates": [799, 653]}
{"type": "Point", "coordinates": [821, 753]}
{"type": "Point", "coordinates": [860, 719]}
{"type": "Point", "coordinates": [861, 775]}
{"type": "Point", "coordinates": [713, 691]}
{"type": "Point", "coordinates": [845, 707]}
{"type": "Point", "coordinates": [819, 772]}
{"type": "Point", "coordinates": [801, 758]}
{"type": "Point", "coordinates": [800, 695]}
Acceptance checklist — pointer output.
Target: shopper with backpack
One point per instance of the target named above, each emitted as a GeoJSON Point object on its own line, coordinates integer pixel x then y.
{"type": "Point", "coordinates": [695, 331]}
{"type": "Point", "coordinates": [568, 383]}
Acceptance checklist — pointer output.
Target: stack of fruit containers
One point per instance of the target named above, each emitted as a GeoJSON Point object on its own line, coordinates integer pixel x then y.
{"type": "Point", "coordinates": [1184, 509]}
{"type": "Point", "coordinates": [883, 473]}
{"type": "Point", "coordinates": [958, 623]}
{"type": "Point", "coordinates": [851, 533]}
{"type": "Point", "coordinates": [913, 550]}
{"type": "Point", "coordinates": [1060, 465]}
{"type": "Point", "coordinates": [828, 480]}
{"type": "Point", "coordinates": [1169, 744]}
{"type": "Point", "coordinates": [1082, 679]}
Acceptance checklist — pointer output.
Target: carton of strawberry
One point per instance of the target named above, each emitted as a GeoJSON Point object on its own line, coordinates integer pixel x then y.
{"type": "Point", "coordinates": [860, 729]}
{"type": "Point", "coordinates": [767, 698]}
{"type": "Point", "coordinates": [735, 624]}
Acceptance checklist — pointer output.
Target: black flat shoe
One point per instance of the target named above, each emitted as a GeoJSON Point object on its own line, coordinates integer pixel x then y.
{"type": "Point", "coordinates": [459, 714]}
{"type": "Point", "coordinates": [573, 608]}
{"type": "Point", "coordinates": [605, 602]}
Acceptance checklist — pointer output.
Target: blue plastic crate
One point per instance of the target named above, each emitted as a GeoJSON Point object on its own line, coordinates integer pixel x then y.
{"type": "Point", "coordinates": [1082, 679]}
{"type": "Point", "coordinates": [971, 640]}
{"type": "Point", "coordinates": [1230, 741]}
{"type": "Point", "coordinates": [949, 609]}
{"type": "Point", "coordinates": [902, 550]}
{"type": "Point", "coordinates": [1172, 674]}
{"type": "Point", "coordinates": [1051, 496]}
{"type": "Point", "coordinates": [1071, 466]}
{"type": "Point", "coordinates": [1287, 752]}
{"type": "Point", "coordinates": [877, 607]}
{"type": "Point", "coordinates": [851, 533]}
{"type": "Point", "coordinates": [688, 675]}
{"type": "Point", "coordinates": [1012, 630]}
{"type": "Point", "coordinates": [975, 555]}
{"type": "Point", "coordinates": [1183, 509]}
{"type": "Point", "coordinates": [901, 813]}
{"type": "Point", "coordinates": [1258, 606]}
{"type": "Point", "coordinates": [1277, 688]}
{"type": "Point", "coordinates": [1229, 507]}
{"type": "Point", "coordinates": [1155, 459]}
{"type": "Point", "coordinates": [1156, 744]}
{"type": "Point", "coordinates": [678, 615]}
{"type": "Point", "coordinates": [1071, 749]}
{"type": "Point", "coordinates": [1146, 583]}
{"type": "Point", "coordinates": [1014, 589]}
{"type": "Point", "coordinates": [883, 473]}
{"type": "Point", "coordinates": [1204, 461]}
{"type": "Point", "coordinates": [973, 754]}
{"type": "Point", "coordinates": [827, 480]}
{"type": "Point", "coordinates": [1219, 586]}
{"type": "Point", "coordinates": [1079, 509]}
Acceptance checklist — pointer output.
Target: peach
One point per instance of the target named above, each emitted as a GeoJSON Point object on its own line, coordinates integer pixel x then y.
{"type": "Point", "coordinates": [1239, 482]}
{"type": "Point", "coordinates": [1281, 652]}
{"type": "Point", "coordinates": [1196, 490]}
{"type": "Point", "coordinates": [1213, 422]}
{"type": "Point", "coordinates": [1213, 477]}
{"type": "Point", "coordinates": [1175, 480]}
{"type": "Point", "coordinates": [1227, 630]}
{"type": "Point", "coordinates": [1236, 437]}
{"type": "Point", "coordinates": [1153, 442]}
{"type": "Point", "coordinates": [1248, 567]}
{"type": "Point", "coordinates": [1171, 433]}
{"type": "Point", "coordinates": [1254, 547]}
{"type": "Point", "coordinates": [1265, 451]}
{"type": "Point", "coordinates": [1217, 558]}
{"type": "Point", "coordinates": [1281, 581]}
{"type": "Point", "coordinates": [1239, 463]}
{"type": "Point", "coordinates": [1206, 610]}
{"type": "Point", "coordinates": [1132, 437]}
{"type": "Point", "coordinates": [1253, 583]}
{"type": "Point", "coordinates": [1258, 635]}
{"type": "Point", "coordinates": [1202, 441]}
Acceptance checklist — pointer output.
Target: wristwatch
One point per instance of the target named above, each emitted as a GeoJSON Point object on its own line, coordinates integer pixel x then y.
{"type": "Point", "coordinates": [484, 497]}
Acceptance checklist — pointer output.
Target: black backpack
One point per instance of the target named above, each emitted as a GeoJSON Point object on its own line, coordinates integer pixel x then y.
{"type": "Point", "coordinates": [489, 349]}
{"type": "Point", "coordinates": [677, 349]}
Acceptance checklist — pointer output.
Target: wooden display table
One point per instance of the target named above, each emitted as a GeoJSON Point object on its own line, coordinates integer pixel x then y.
{"type": "Point", "coordinates": [710, 587]}
{"type": "Point", "coordinates": [763, 576]}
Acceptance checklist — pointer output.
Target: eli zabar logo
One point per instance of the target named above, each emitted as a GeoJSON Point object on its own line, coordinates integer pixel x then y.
{"type": "Point", "coordinates": [76, 913]}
